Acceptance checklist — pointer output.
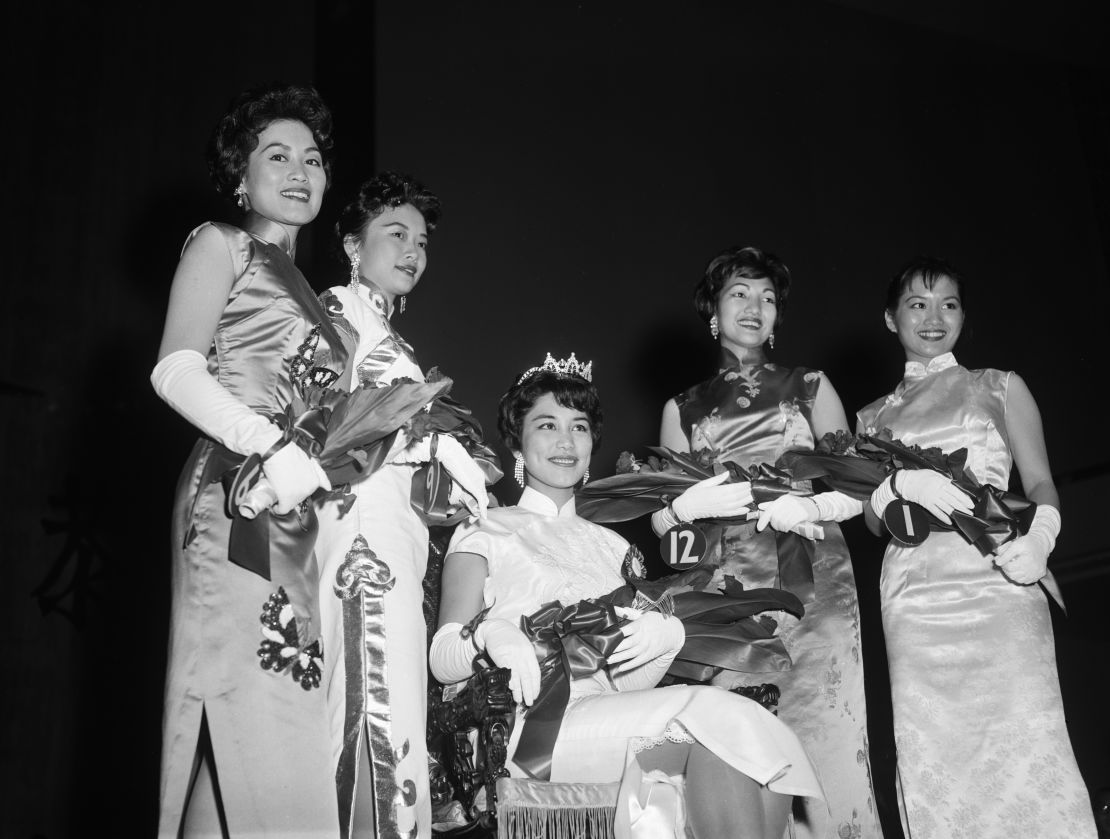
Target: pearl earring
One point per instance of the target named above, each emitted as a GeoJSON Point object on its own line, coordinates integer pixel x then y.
{"type": "Point", "coordinates": [518, 469]}
{"type": "Point", "coordinates": [714, 330]}
{"type": "Point", "coordinates": [356, 260]}
{"type": "Point", "coordinates": [240, 196]}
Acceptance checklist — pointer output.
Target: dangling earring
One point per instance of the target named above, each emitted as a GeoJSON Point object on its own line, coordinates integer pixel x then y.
{"type": "Point", "coordinates": [356, 260]}
{"type": "Point", "coordinates": [240, 196]}
{"type": "Point", "coordinates": [713, 329]}
{"type": "Point", "coordinates": [771, 340]}
{"type": "Point", "coordinates": [402, 304]}
{"type": "Point", "coordinates": [518, 470]}
{"type": "Point", "coordinates": [585, 477]}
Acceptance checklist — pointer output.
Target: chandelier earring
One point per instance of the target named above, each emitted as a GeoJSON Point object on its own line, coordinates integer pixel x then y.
{"type": "Point", "coordinates": [585, 477]}
{"type": "Point", "coordinates": [241, 196]}
{"type": "Point", "coordinates": [402, 304]}
{"type": "Point", "coordinates": [771, 340]}
{"type": "Point", "coordinates": [714, 330]}
{"type": "Point", "coordinates": [518, 469]}
{"type": "Point", "coordinates": [356, 260]}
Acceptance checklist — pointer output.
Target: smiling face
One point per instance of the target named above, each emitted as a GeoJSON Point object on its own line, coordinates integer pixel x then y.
{"type": "Point", "coordinates": [556, 444]}
{"type": "Point", "coordinates": [285, 178]}
{"type": "Point", "coordinates": [927, 320]}
{"type": "Point", "coordinates": [392, 250]}
{"type": "Point", "coordinates": [746, 313]}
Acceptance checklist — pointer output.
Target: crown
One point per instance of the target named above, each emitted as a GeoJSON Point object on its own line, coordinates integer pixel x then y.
{"type": "Point", "coordinates": [564, 367]}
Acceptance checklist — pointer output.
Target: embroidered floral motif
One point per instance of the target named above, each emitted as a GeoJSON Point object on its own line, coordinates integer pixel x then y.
{"type": "Point", "coordinates": [283, 648]}
{"type": "Point", "coordinates": [749, 386]}
{"type": "Point", "coordinates": [795, 427]}
{"type": "Point", "coordinates": [812, 376]}
{"type": "Point", "coordinates": [302, 368]}
{"type": "Point", "coordinates": [701, 434]}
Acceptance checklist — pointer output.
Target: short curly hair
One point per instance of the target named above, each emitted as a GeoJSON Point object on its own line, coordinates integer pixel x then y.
{"type": "Point", "coordinates": [236, 134]}
{"type": "Point", "coordinates": [384, 191]}
{"type": "Point", "coordinates": [929, 269]}
{"type": "Point", "coordinates": [569, 391]}
{"type": "Point", "coordinates": [749, 263]}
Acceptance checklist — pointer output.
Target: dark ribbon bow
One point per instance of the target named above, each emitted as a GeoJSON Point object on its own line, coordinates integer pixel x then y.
{"type": "Point", "coordinates": [571, 642]}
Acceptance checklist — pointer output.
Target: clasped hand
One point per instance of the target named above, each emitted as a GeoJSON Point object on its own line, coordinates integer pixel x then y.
{"type": "Point", "coordinates": [1024, 560]}
{"type": "Point", "coordinates": [464, 470]}
{"type": "Point", "coordinates": [647, 636]}
{"type": "Point", "coordinates": [933, 491]}
{"type": "Point", "coordinates": [713, 498]}
{"type": "Point", "coordinates": [510, 648]}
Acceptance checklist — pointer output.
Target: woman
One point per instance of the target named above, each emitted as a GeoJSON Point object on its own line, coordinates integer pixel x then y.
{"type": "Point", "coordinates": [982, 746]}
{"type": "Point", "coordinates": [245, 746]}
{"type": "Point", "coordinates": [750, 413]}
{"type": "Point", "coordinates": [374, 555]}
{"type": "Point", "coordinates": [614, 727]}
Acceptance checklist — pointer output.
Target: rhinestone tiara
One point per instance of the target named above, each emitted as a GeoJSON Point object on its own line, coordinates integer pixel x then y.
{"type": "Point", "coordinates": [562, 366]}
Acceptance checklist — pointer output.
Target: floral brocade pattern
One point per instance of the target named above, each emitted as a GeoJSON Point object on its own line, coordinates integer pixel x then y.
{"type": "Point", "coordinates": [749, 415]}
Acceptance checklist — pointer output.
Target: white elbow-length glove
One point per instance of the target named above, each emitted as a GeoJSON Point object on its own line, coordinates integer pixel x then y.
{"type": "Point", "coordinates": [708, 498]}
{"type": "Point", "coordinates": [1025, 559]}
{"type": "Point", "coordinates": [182, 380]}
{"type": "Point", "coordinates": [451, 656]}
{"type": "Point", "coordinates": [932, 490]}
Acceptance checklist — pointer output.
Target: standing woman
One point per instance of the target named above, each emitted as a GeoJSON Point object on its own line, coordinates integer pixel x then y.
{"type": "Point", "coordinates": [749, 413]}
{"type": "Point", "coordinates": [982, 746]}
{"type": "Point", "coordinates": [245, 747]}
{"type": "Point", "coordinates": [374, 555]}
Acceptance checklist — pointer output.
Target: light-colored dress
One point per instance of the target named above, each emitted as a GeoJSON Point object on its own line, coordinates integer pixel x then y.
{"type": "Point", "coordinates": [752, 414]}
{"type": "Point", "coordinates": [372, 561]}
{"type": "Point", "coordinates": [536, 554]}
{"type": "Point", "coordinates": [267, 726]}
{"type": "Point", "coordinates": [983, 750]}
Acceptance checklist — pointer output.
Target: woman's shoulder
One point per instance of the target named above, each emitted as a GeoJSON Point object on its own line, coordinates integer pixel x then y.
{"type": "Point", "coordinates": [479, 536]}
{"type": "Point", "coordinates": [217, 234]}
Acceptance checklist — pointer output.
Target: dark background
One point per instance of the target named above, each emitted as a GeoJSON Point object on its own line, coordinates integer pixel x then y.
{"type": "Point", "coordinates": [591, 158]}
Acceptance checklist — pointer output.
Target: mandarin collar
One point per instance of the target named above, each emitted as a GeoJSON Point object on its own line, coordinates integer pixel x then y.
{"type": "Point", "coordinates": [269, 231]}
{"type": "Point", "coordinates": [917, 370]}
{"type": "Point", "coordinates": [728, 361]}
{"type": "Point", "coordinates": [374, 296]}
{"type": "Point", "coordinates": [536, 502]}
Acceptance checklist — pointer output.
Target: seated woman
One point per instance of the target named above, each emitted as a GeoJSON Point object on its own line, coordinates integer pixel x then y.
{"type": "Point", "coordinates": [741, 765]}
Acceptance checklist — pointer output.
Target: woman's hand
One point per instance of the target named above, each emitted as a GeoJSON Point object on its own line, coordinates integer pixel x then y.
{"type": "Point", "coordinates": [786, 512]}
{"type": "Point", "coordinates": [1025, 560]}
{"type": "Point", "coordinates": [510, 648]}
{"type": "Point", "coordinates": [713, 498]}
{"type": "Point", "coordinates": [932, 490]}
{"type": "Point", "coordinates": [647, 636]}
{"type": "Point", "coordinates": [466, 472]}
{"type": "Point", "coordinates": [294, 476]}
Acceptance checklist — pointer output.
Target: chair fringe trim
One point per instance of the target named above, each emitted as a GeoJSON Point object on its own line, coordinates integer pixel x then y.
{"type": "Point", "coordinates": [531, 822]}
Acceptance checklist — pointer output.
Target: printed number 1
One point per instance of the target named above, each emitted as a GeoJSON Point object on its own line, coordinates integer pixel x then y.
{"type": "Point", "coordinates": [909, 520]}
{"type": "Point", "coordinates": [687, 542]}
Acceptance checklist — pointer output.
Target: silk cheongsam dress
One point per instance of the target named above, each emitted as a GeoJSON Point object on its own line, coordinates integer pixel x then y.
{"type": "Point", "coordinates": [268, 723]}
{"type": "Point", "coordinates": [372, 562]}
{"type": "Point", "coordinates": [751, 414]}
{"type": "Point", "coordinates": [537, 553]}
{"type": "Point", "coordinates": [983, 750]}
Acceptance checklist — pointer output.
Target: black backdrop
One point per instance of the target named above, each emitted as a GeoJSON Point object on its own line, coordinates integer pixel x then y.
{"type": "Point", "coordinates": [591, 158]}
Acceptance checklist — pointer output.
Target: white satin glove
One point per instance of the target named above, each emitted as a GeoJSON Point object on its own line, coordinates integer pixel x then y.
{"type": "Point", "coordinates": [466, 472]}
{"type": "Point", "coordinates": [510, 648]}
{"type": "Point", "coordinates": [182, 380]}
{"type": "Point", "coordinates": [647, 636]}
{"type": "Point", "coordinates": [1025, 559]}
{"type": "Point", "coordinates": [786, 512]}
{"type": "Point", "coordinates": [936, 493]}
{"type": "Point", "coordinates": [707, 499]}
{"type": "Point", "coordinates": [293, 475]}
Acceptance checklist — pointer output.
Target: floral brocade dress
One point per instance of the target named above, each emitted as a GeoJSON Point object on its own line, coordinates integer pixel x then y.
{"type": "Point", "coordinates": [267, 724]}
{"type": "Point", "coordinates": [752, 414]}
{"type": "Point", "coordinates": [983, 749]}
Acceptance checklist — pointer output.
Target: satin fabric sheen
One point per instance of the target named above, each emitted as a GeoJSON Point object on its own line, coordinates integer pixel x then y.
{"type": "Point", "coordinates": [536, 554]}
{"type": "Point", "coordinates": [752, 414]}
{"type": "Point", "coordinates": [269, 735]}
{"type": "Point", "coordinates": [372, 563]}
{"type": "Point", "coordinates": [983, 749]}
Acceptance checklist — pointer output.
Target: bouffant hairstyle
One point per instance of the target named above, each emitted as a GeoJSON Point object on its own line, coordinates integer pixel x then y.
{"type": "Point", "coordinates": [384, 191]}
{"type": "Point", "coordinates": [930, 269]}
{"type": "Point", "coordinates": [569, 391]}
{"type": "Point", "coordinates": [236, 134]}
{"type": "Point", "coordinates": [747, 263]}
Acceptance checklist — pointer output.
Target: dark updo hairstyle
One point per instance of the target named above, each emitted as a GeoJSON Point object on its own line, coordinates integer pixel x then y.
{"type": "Point", "coordinates": [930, 269]}
{"type": "Point", "coordinates": [236, 135]}
{"type": "Point", "coordinates": [747, 263]}
{"type": "Point", "coordinates": [569, 391]}
{"type": "Point", "coordinates": [385, 191]}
